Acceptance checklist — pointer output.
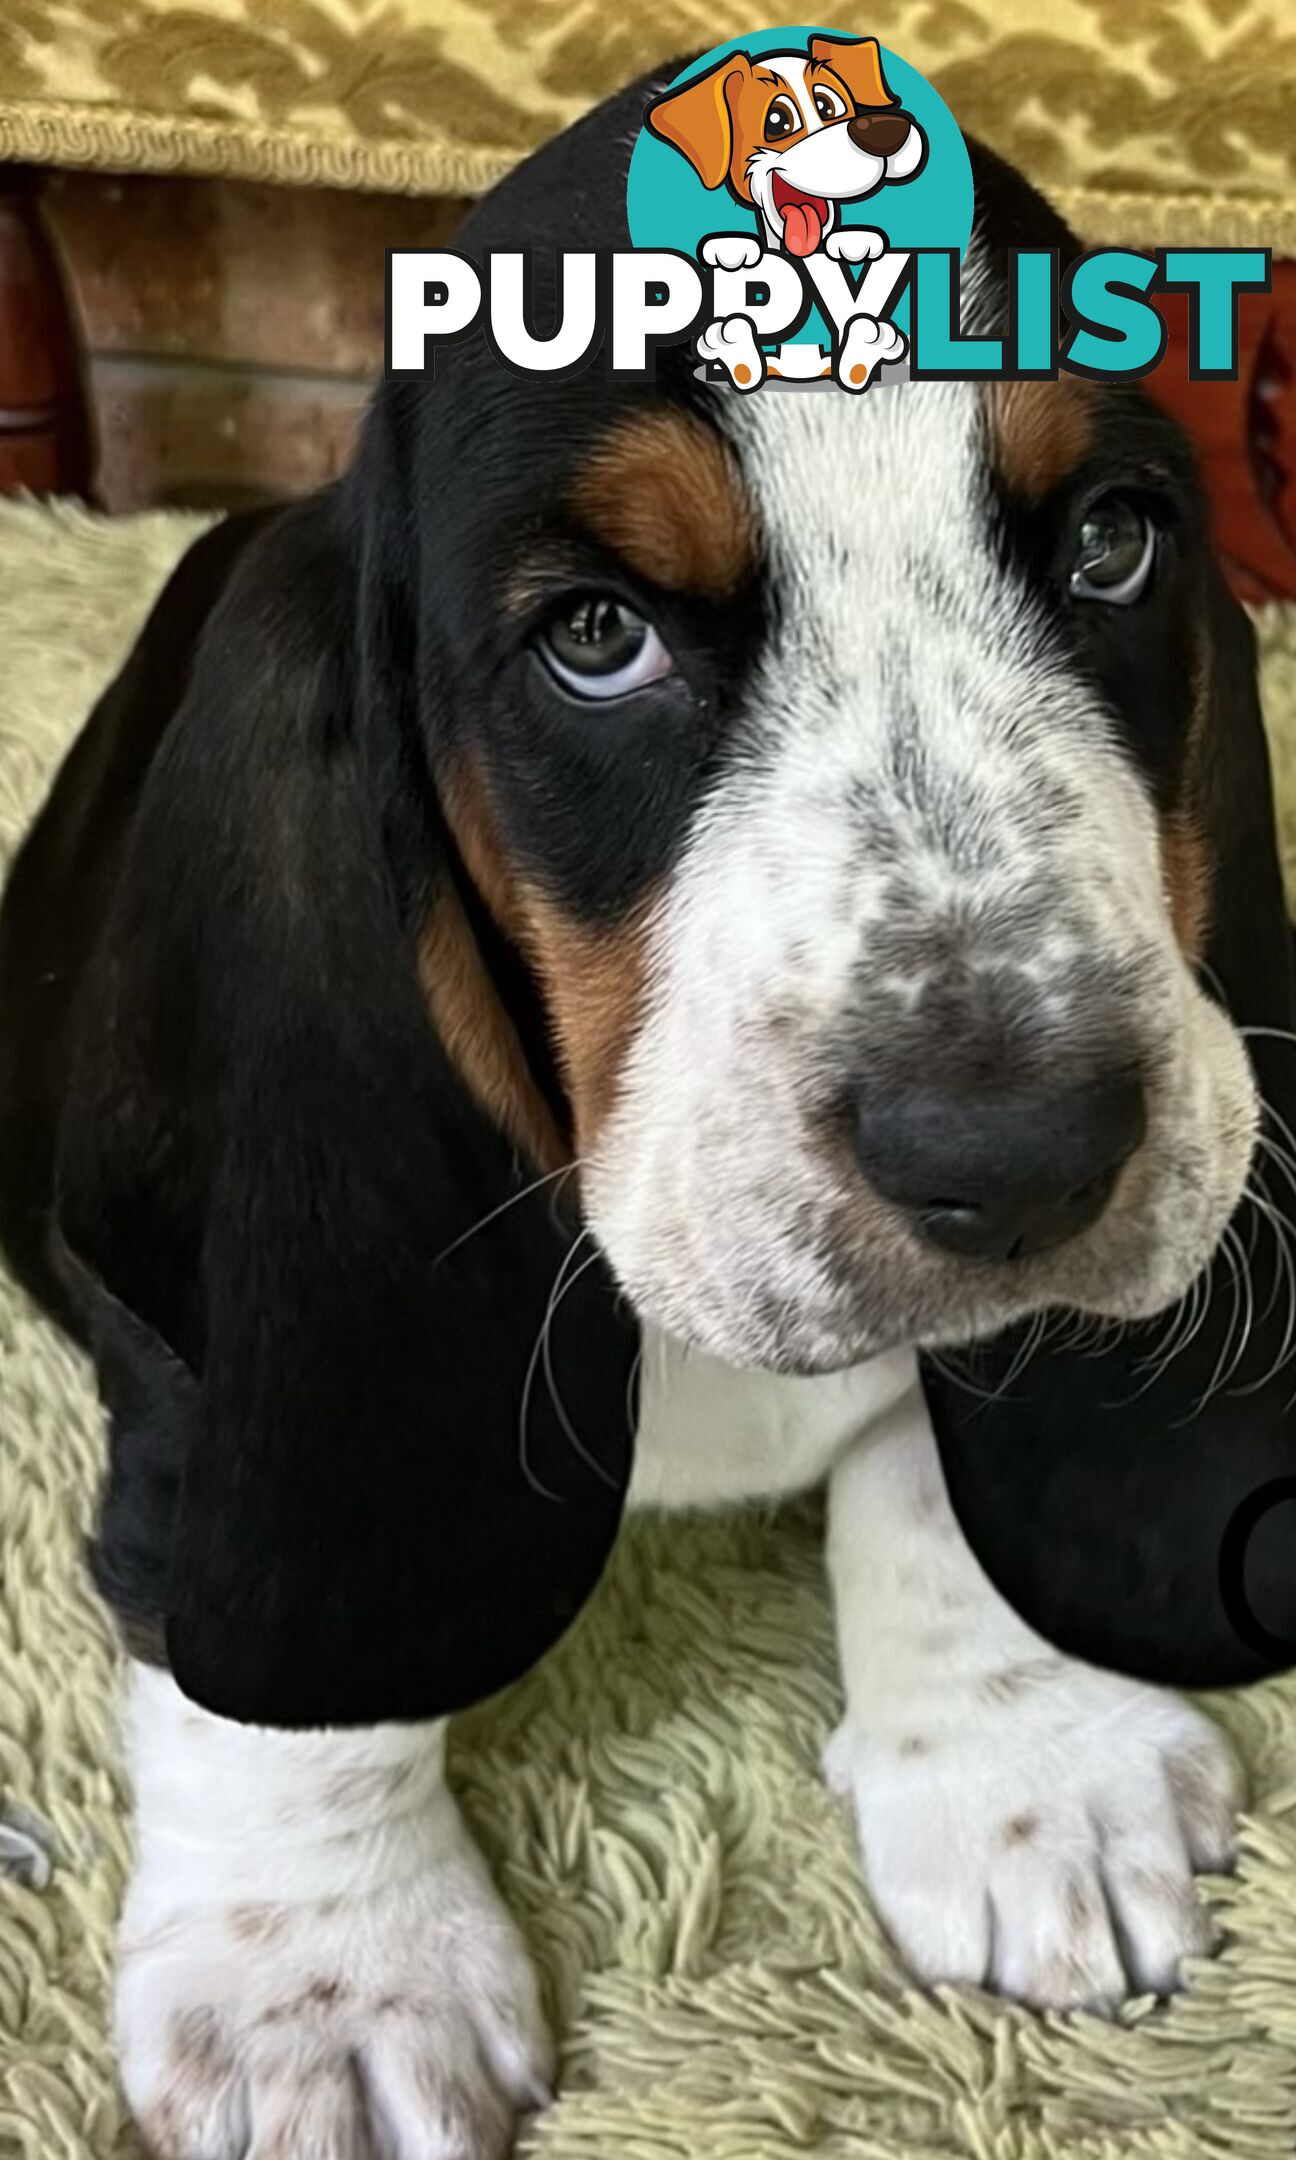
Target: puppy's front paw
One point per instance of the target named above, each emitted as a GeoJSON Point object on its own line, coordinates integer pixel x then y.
{"type": "Point", "coordinates": [1038, 1832]}
{"type": "Point", "coordinates": [399, 2025]}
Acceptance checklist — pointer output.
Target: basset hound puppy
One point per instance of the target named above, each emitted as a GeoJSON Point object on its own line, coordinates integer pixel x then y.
{"type": "Point", "coordinates": [598, 938]}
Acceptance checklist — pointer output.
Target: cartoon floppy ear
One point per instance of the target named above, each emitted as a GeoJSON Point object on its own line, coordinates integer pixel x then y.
{"type": "Point", "coordinates": [1139, 1510]}
{"type": "Point", "coordinates": [697, 118]}
{"type": "Point", "coordinates": [858, 63]}
{"type": "Point", "coordinates": [366, 1376]}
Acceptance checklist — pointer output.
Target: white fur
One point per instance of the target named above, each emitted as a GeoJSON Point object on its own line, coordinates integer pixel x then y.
{"type": "Point", "coordinates": [312, 1949]}
{"type": "Point", "coordinates": [709, 1435]}
{"type": "Point", "coordinates": [1026, 1821]}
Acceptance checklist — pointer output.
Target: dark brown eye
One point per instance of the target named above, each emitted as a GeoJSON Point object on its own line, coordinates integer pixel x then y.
{"type": "Point", "coordinates": [1115, 551]}
{"type": "Point", "coordinates": [828, 105]}
{"type": "Point", "coordinates": [599, 648]}
{"type": "Point", "coordinates": [781, 119]}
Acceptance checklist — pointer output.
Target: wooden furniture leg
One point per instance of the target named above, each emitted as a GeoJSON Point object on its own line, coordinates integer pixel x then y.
{"type": "Point", "coordinates": [46, 438]}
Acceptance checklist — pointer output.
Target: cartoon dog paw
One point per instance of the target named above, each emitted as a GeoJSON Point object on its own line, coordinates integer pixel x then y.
{"type": "Point", "coordinates": [732, 343]}
{"type": "Point", "coordinates": [867, 346]}
{"type": "Point", "coordinates": [731, 251]}
{"type": "Point", "coordinates": [855, 244]}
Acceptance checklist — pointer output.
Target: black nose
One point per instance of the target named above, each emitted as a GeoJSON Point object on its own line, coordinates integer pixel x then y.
{"type": "Point", "coordinates": [882, 134]}
{"type": "Point", "coordinates": [998, 1176]}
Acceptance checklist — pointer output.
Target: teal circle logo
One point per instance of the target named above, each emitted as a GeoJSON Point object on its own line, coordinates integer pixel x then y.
{"type": "Point", "coordinates": [801, 137]}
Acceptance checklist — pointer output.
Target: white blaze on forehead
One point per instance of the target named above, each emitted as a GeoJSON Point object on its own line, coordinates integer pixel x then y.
{"type": "Point", "coordinates": [905, 665]}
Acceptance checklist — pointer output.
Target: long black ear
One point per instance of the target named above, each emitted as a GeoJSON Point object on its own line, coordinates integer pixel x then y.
{"type": "Point", "coordinates": [1142, 1514]}
{"type": "Point", "coordinates": [371, 1389]}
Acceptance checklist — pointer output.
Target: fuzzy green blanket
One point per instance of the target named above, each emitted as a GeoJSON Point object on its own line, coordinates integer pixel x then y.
{"type": "Point", "coordinates": [651, 1797]}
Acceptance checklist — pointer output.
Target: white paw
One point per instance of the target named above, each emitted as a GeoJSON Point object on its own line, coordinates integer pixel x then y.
{"type": "Point", "coordinates": [400, 2025]}
{"type": "Point", "coordinates": [868, 345]}
{"type": "Point", "coordinates": [1037, 1832]}
{"type": "Point", "coordinates": [731, 251]}
{"type": "Point", "coordinates": [731, 342]}
{"type": "Point", "coordinates": [855, 244]}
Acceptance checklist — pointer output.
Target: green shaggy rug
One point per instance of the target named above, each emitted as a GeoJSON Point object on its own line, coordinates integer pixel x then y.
{"type": "Point", "coordinates": [651, 1797]}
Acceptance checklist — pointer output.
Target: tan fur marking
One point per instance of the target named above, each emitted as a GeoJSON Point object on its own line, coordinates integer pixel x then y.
{"type": "Point", "coordinates": [480, 1039]}
{"type": "Point", "coordinates": [594, 981]}
{"type": "Point", "coordinates": [1185, 868]}
{"type": "Point", "coordinates": [591, 980]}
{"type": "Point", "coordinates": [668, 496]}
{"type": "Point", "coordinates": [1187, 865]}
{"type": "Point", "coordinates": [1039, 431]}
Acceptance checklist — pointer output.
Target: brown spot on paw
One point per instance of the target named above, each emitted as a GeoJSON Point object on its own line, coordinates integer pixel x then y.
{"type": "Point", "coordinates": [194, 2046]}
{"type": "Point", "coordinates": [913, 1744]}
{"type": "Point", "coordinates": [1018, 1680]}
{"type": "Point", "coordinates": [1021, 1829]}
{"type": "Point", "coordinates": [1084, 1907]}
{"type": "Point", "coordinates": [319, 1995]}
{"type": "Point", "coordinates": [257, 1923]}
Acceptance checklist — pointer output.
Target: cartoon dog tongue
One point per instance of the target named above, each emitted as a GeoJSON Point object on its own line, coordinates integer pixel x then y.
{"type": "Point", "coordinates": [804, 217]}
{"type": "Point", "coordinates": [802, 228]}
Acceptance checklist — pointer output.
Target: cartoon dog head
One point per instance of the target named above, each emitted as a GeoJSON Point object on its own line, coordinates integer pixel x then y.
{"type": "Point", "coordinates": [793, 134]}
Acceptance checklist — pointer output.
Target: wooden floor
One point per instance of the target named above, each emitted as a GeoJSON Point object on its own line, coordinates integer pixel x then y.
{"type": "Point", "coordinates": [225, 337]}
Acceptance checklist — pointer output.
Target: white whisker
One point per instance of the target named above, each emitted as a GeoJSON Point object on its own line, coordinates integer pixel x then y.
{"type": "Point", "coordinates": [536, 1184]}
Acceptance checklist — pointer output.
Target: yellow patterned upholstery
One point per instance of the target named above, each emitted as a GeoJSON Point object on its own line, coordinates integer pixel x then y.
{"type": "Point", "coordinates": [1146, 120]}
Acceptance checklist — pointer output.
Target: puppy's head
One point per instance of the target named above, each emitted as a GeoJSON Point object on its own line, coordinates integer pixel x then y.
{"type": "Point", "coordinates": [792, 134]}
{"type": "Point", "coordinates": [862, 784]}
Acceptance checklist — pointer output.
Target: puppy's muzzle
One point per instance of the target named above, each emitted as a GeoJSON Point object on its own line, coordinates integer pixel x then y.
{"type": "Point", "coordinates": [882, 134]}
{"type": "Point", "coordinates": [1003, 1175]}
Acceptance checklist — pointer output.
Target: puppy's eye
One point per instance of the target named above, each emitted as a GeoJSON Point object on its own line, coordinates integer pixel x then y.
{"type": "Point", "coordinates": [828, 105]}
{"type": "Point", "coordinates": [1114, 552]}
{"type": "Point", "coordinates": [781, 119]}
{"type": "Point", "coordinates": [599, 648]}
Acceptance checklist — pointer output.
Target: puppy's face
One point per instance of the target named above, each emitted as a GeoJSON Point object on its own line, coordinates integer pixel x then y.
{"type": "Point", "coordinates": [836, 765]}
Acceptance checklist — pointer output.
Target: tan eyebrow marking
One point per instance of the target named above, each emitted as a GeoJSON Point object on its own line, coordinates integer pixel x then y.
{"type": "Point", "coordinates": [668, 496]}
{"type": "Point", "coordinates": [1039, 431]}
